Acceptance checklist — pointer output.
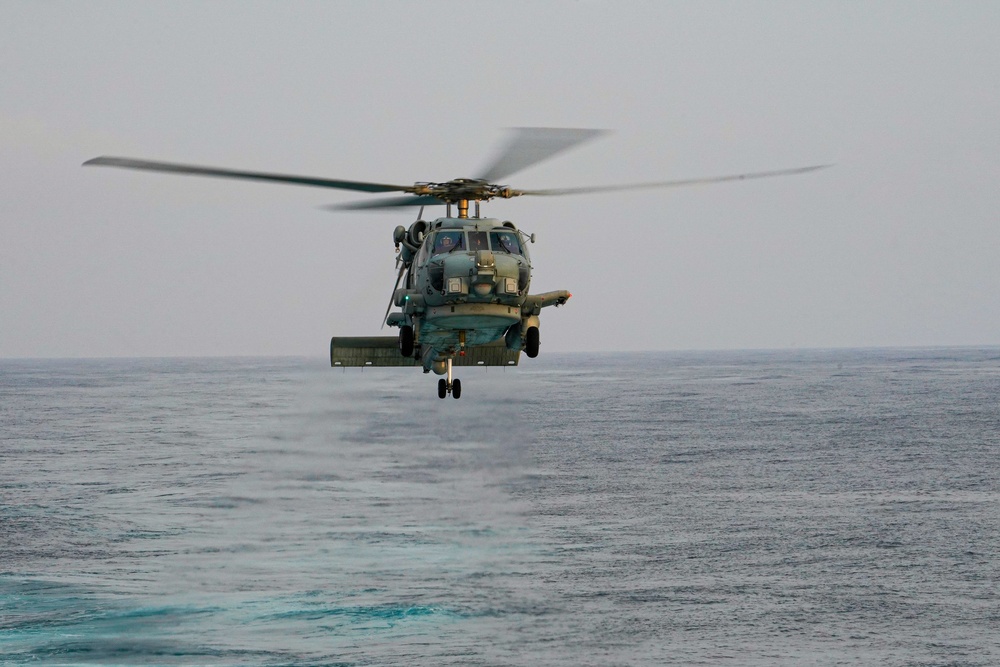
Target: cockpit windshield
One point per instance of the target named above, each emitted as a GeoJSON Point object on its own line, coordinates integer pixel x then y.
{"type": "Point", "coordinates": [446, 242]}
{"type": "Point", "coordinates": [505, 242]}
{"type": "Point", "coordinates": [451, 240]}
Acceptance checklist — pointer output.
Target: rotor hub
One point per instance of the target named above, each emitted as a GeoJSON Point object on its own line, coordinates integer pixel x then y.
{"type": "Point", "coordinates": [463, 189]}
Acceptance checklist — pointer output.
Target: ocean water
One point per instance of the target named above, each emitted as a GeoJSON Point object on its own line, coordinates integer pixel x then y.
{"type": "Point", "coordinates": [738, 508]}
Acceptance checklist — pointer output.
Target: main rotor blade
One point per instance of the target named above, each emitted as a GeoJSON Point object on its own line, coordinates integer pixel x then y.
{"type": "Point", "coordinates": [387, 202]}
{"type": "Point", "coordinates": [671, 184]}
{"type": "Point", "coordinates": [147, 165]}
{"type": "Point", "coordinates": [531, 145]}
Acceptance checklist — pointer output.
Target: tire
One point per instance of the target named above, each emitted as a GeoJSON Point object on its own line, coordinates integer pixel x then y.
{"type": "Point", "coordinates": [531, 341]}
{"type": "Point", "coordinates": [406, 341]}
{"type": "Point", "coordinates": [456, 388]}
{"type": "Point", "coordinates": [442, 388]}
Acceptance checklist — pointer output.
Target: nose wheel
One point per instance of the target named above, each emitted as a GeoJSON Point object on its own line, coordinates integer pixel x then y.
{"type": "Point", "coordinates": [449, 386]}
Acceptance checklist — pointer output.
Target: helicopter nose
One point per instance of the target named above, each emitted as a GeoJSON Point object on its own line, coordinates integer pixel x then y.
{"type": "Point", "coordinates": [486, 270]}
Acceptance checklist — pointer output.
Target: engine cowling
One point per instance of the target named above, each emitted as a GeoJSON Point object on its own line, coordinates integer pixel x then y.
{"type": "Point", "coordinates": [415, 235]}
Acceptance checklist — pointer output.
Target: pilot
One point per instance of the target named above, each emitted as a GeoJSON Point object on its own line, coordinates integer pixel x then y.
{"type": "Point", "coordinates": [446, 241]}
{"type": "Point", "coordinates": [506, 242]}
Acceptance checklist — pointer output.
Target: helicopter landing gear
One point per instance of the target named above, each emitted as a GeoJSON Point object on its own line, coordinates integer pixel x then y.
{"type": "Point", "coordinates": [531, 340]}
{"type": "Point", "coordinates": [406, 341]}
{"type": "Point", "coordinates": [454, 387]}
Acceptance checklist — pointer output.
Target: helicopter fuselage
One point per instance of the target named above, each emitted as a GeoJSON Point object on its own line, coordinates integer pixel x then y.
{"type": "Point", "coordinates": [466, 286]}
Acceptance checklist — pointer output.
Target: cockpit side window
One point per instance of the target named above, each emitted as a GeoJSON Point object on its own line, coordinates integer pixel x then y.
{"type": "Point", "coordinates": [446, 242]}
{"type": "Point", "coordinates": [505, 242]}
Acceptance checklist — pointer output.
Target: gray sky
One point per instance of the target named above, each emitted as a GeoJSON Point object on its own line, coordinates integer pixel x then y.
{"type": "Point", "coordinates": [895, 246]}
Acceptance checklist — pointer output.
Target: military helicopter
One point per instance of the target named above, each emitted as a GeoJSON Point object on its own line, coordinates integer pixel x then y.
{"type": "Point", "coordinates": [463, 281]}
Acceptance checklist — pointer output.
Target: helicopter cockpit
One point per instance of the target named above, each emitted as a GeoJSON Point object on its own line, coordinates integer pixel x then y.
{"type": "Point", "coordinates": [498, 241]}
{"type": "Point", "coordinates": [445, 242]}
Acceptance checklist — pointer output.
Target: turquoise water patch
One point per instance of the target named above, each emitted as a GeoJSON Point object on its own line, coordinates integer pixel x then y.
{"type": "Point", "coordinates": [64, 624]}
{"type": "Point", "coordinates": [43, 622]}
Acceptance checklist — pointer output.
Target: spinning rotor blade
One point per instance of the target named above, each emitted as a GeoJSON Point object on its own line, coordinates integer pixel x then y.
{"type": "Point", "coordinates": [531, 145]}
{"type": "Point", "coordinates": [389, 202]}
{"type": "Point", "coordinates": [527, 146]}
{"type": "Point", "coordinates": [129, 163]}
{"type": "Point", "coordinates": [670, 184]}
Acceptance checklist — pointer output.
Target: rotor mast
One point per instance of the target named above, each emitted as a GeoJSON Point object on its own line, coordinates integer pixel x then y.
{"type": "Point", "coordinates": [463, 209]}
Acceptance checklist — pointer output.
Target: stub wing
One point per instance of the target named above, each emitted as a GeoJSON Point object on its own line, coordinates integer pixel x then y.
{"type": "Point", "coordinates": [384, 351]}
{"type": "Point", "coordinates": [535, 302]}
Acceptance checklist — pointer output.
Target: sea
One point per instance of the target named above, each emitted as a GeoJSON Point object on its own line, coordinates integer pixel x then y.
{"type": "Point", "coordinates": [796, 507]}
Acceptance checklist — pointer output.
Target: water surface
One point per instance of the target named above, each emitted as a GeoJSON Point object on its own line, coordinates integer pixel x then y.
{"type": "Point", "coordinates": [744, 508]}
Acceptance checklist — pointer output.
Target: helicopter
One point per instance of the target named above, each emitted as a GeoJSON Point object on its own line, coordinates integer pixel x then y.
{"type": "Point", "coordinates": [462, 287]}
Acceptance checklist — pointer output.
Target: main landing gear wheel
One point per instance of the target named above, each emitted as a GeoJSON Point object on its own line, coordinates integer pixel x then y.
{"type": "Point", "coordinates": [531, 342]}
{"type": "Point", "coordinates": [456, 388]}
{"type": "Point", "coordinates": [442, 388]}
{"type": "Point", "coordinates": [406, 341]}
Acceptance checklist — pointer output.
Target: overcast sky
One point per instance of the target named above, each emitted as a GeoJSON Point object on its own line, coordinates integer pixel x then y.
{"type": "Point", "coordinates": [897, 245]}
